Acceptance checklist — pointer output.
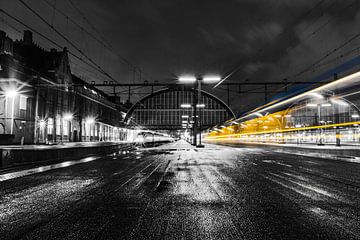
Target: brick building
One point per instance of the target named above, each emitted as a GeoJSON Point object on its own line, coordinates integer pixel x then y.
{"type": "Point", "coordinates": [41, 101]}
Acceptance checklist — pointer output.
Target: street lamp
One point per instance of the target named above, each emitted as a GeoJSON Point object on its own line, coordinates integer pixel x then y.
{"type": "Point", "coordinates": [197, 104]}
{"type": "Point", "coordinates": [187, 79]}
{"type": "Point", "coordinates": [11, 94]}
{"type": "Point", "coordinates": [68, 117]}
{"type": "Point", "coordinates": [185, 105]}
{"type": "Point", "coordinates": [211, 79]}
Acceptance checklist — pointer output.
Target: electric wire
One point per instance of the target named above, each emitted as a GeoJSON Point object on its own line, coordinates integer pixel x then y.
{"type": "Point", "coordinates": [67, 40]}
{"type": "Point", "coordinates": [48, 39]}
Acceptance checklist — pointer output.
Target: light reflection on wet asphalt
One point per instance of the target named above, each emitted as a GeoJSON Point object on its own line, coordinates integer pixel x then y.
{"type": "Point", "coordinates": [178, 192]}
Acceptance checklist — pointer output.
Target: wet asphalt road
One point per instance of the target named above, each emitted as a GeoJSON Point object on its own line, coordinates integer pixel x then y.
{"type": "Point", "coordinates": [177, 192]}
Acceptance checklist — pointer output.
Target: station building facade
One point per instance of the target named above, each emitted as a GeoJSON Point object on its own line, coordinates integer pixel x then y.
{"type": "Point", "coordinates": [41, 101]}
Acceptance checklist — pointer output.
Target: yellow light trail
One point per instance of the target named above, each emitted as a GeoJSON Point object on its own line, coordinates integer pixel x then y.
{"type": "Point", "coordinates": [287, 130]}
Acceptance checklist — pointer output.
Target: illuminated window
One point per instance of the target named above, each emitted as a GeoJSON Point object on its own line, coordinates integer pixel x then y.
{"type": "Point", "coordinates": [23, 102]}
{"type": "Point", "coordinates": [50, 125]}
{"type": "Point", "coordinates": [58, 126]}
{"type": "Point", "coordinates": [65, 127]}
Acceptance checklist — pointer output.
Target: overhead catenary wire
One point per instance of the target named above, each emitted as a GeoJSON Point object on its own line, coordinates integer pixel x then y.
{"type": "Point", "coordinates": [68, 19]}
{"type": "Point", "coordinates": [67, 40]}
{"type": "Point", "coordinates": [108, 45]}
{"type": "Point", "coordinates": [329, 53]}
{"type": "Point", "coordinates": [308, 36]}
{"type": "Point", "coordinates": [48, 39]}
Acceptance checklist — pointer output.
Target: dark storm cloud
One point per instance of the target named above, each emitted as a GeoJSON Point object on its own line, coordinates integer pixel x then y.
{"type": "Point", "coordinates": [268, 39]}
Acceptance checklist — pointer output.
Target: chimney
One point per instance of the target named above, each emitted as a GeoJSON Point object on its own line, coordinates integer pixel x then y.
{"type": "Point", "coordinates": [28, 37]}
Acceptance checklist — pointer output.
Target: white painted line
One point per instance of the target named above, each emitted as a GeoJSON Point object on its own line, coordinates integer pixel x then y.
{"type": "Point", "coordinates": [12, 175]}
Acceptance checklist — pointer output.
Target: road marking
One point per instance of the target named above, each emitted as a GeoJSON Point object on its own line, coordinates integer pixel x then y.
{"type": "Point", "coordinates": [12, 175]}
{"type": "Point", "coordinates": [306, 186]}
{"type": "Point", "coordinates": [163, 175]}
{"type": "Point", "coordinates": [289, 187]}
{"type": "Point", "coordinates": [276, 162]}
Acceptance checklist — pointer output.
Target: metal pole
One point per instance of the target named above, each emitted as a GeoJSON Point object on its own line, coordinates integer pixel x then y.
{"type": "Point", "coordinates": [321, 130]}
{"type": "Point", "coordinates": [129, 93]}
{"type": "Point", "coordinates": [12, 115]}
{"type": "Point", "coordinates": [36, 125]}
{"type": "Point", "coordinates": [195, 100]}
{"type": "Point", "coordinates": [200, 118]}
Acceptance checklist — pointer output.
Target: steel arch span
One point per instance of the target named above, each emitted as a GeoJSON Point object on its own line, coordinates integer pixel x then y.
{"type": "Point", "coordinates": [162, 110]}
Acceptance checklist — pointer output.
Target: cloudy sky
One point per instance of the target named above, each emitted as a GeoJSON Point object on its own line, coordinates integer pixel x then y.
{"type": "Point", "coordinates": [265, 40]}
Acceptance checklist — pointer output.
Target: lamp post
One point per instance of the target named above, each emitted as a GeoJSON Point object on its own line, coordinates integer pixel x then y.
{"type": "Point", "coordinates": [197, 102]}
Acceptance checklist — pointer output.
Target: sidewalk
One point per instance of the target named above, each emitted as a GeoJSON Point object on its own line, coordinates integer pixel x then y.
{"type": "Point", "coordinates": [60, 145]}
{"type": "Point", "coordinates": [17, 155]}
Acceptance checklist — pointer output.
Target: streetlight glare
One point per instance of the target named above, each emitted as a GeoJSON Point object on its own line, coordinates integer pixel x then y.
{"type": "Point", "coordinates": [90, 120]}
{"type": "Point", "coordinates": [68, 116]}
{"type": "Point", "coordinates": [311, 105]}
{"type": "Point", "coordinates": [326, 105]}
{"type": "Point", "coordinates": [11, 93]}
{"type": "Point", "coordinates": [211, 79]}
{"type": "Point", "coordinates": [185, 105]}
{"type": "Point", "coordinates": [187, 79]}
{"type": "Point", "coordinates": [42, 123]}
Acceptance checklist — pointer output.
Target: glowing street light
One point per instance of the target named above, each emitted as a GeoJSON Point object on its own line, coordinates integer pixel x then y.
{"type": "Point", "coordinates": [90, 120]}
{"type": "Point", "coordinates": [68, 117]}
{"type": "Point", "coordinates": [11, 93]}
{"type": "Point", "coordinates": [211, 79]}
{"type": "Point", "coordinates": [187, 79]}
{"type": "Point", "coordinates": [193, 79]}
{"type": "Point", "coordinates": [185, 105]}
{"type": "Point", "coordinates": [311, 105]}
{"type": "Point", "coordinates": [326, 105]}
{"type": "Point", "coordinates": [42, 123]}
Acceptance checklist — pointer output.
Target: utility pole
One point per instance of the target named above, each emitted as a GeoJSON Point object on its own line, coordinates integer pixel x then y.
{"type": "Point", "coordinates": [195, 101]}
